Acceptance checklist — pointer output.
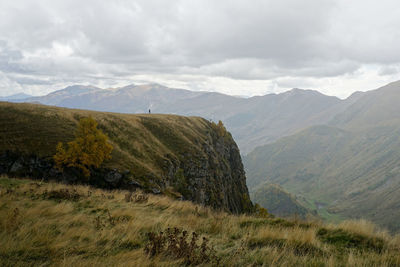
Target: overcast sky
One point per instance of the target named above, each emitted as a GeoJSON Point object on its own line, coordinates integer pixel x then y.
{"type": "Point", "coordinates": [234, 47]}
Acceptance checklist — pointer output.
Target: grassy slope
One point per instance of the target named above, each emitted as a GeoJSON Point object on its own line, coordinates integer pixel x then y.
{"type": "Point", "coordinates": [38, 230]}
{"type": "Point", "coordinates": [346, 173]}
{"type": "Point", "coordinates": [141, 142]}
{"type": "Point", "coordinates": [278, 201]}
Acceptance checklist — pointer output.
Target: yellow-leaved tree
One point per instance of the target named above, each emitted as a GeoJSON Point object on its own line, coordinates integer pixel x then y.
{"type": "Point", "coordinates": [89, 149]}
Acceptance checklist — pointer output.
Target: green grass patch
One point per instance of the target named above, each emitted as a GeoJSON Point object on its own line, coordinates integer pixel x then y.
{"type": "Point", "coordinates": [343, 239]}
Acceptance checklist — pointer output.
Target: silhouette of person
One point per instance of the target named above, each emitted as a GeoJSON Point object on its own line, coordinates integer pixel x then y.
{"type": "Point", "coordinates": [149, 111]}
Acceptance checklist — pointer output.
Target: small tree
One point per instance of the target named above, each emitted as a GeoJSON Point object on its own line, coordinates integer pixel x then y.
{"type": "Point", "coordinates": [220, 128]}
{"type": "Point", "coordinates": [89, 149]}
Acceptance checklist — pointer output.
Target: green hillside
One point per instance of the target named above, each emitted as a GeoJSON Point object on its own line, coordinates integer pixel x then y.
{"type": "Point", "coordinates": [187, 157]}
{"type": "Point", "coordinates": [373, 108]}
{"type": "Point", "coordinates": [49, 224]}
{"type": "Point", "coordinates": [350, 174]}
{"type": "Point", "coordinates": [279, 202]}
{"type": "Point", "coordinates": [349, 168]}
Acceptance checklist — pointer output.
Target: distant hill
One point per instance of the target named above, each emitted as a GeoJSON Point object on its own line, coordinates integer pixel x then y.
{"type": "Point", "coordinates": [253, 121]}
{"type": "Point", "coordinates": [15, 97]}
{"type": "Point", "coordinates": [279, 202]}
{"type": "Point", "coordinates": [378, 107]}
{"type": "Point", "coordinates": [62, 97]}
{"type": "Point", "coordinates": [186, 157]}
{"type": "Point", "coordinates": [349, 167]}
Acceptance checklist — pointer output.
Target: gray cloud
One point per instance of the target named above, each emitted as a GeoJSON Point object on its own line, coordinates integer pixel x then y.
{"type": "Point", "coordinates": [389, 70]}
{"type": "Point", "coordinates": [44, 42]}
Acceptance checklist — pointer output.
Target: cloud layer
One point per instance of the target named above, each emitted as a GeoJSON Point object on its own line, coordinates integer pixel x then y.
{"type": "Point", "coordinates": [236, 47]}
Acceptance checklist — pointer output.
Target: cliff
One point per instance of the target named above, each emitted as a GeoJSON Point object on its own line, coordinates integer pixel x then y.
{"type": "Point", "coordinates": [186, 157]}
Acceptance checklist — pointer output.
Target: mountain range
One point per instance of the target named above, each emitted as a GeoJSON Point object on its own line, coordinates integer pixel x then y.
{"type": "Point", "coordinates": [348, 168]}
{"type": "Point", "coordinates": [15, 97]}
{"type": "Point", "coordinates": [252, 121]}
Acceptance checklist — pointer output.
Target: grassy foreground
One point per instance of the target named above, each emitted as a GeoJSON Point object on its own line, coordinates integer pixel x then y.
{"type": "Point", "coordinates": [49, 224]}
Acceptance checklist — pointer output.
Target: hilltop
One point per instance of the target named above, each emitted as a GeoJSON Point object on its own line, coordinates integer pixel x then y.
{"type": "Point", "coordinates": [184, 157]}
{"type": "Point", "coordinates": [54, 224]}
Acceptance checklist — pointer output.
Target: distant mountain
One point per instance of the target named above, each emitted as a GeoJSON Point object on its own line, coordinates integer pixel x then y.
{"type": "Point", "coordinates": [350, 167]}
{"type": "Point", "coordinates": [69, 96]}
{"type": "Point", "coordinates": [377, 107]}
{"type": "Point", "coordinates": [253, 121]}
{"type": "Point", "coordinates": [279, 202]}
{"type": "Point", "coordinates": [14, 97]}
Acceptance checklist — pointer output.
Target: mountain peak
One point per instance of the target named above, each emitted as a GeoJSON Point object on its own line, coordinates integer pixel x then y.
{"type": "Point", "coordinates": [142, 87]}
{"type": "Point", "coordinates": [75, 90]}
{"type": "Point", "coordinates": [298, 91]}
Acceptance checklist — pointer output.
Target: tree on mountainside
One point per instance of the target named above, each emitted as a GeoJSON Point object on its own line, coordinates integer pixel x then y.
{"type": "Point", "coordinates": [220, 128]}
{"type": "Point", "coordinates": [89, 149]}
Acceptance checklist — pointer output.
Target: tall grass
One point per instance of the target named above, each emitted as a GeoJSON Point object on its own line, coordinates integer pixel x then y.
{"type": "Point", "coordinates": [49, 224]}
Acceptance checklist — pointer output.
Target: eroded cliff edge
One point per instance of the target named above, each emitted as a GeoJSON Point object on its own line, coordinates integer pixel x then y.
{"type": "Point", "coordinates": [185, 157]}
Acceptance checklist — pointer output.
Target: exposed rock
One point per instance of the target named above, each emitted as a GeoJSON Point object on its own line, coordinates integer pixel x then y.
{"type": "Point", "coordinates": [113, 177]}
{"type": "Point", "coordinates": [155, 191]}
{"type": "Point", "coordinates": [134, 183]}
{"type": "Point", "coordinates": [214, 178]}
{"type": "Point", "coordinates": [17, 166]}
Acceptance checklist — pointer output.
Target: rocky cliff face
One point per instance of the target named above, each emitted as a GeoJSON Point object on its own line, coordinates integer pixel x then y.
{"type": "Point", "coordinates": [189, 158]}
{"type": "Point", "coordinates": [214, 177]}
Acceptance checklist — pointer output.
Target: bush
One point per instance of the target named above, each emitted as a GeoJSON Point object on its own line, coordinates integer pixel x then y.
{"type": "Point", "coordinates": [174, 243]}
{"type": "Point", "coordinates": [220, 128]}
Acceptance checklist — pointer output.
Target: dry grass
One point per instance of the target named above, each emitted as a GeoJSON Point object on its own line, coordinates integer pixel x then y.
{"type": "Point", "coordinates": [93, 227]}
{"type": "Point", "coordinates": [140, 141]}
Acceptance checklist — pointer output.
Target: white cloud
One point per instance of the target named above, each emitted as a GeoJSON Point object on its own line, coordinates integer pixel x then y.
{"type": "Point", "coordinates": [235, 47]}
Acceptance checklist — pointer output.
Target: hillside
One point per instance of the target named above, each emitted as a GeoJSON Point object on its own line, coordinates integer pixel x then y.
{"type": "Point", "coordinates": [350, 174]}
{"type": "Point", "coordinates": [279, 202]}
{"type": "Point", "coordinates": [349, 168]}
{"type": "Point", "coordinates": [252, 121]}
{"type": "Point", "coordinates": [378, 107]}
{"type": "Point", "coordinates": [186, 157]}
{"type": "Point", "coordinates": [47, 224]}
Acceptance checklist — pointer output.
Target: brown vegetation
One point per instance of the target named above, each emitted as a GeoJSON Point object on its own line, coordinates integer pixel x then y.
{"type": "Point", "coordinates": [83, 226]}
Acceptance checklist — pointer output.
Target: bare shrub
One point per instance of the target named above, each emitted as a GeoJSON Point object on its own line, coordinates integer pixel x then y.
{"type": "Point", "coordinates": [128, 197]}
{"type": "Point", "coordinates": [174, 243]}
{"type": "Point", "coordinates": [62, 194]}
{"type": "Point", "coordinates": [140, 198]}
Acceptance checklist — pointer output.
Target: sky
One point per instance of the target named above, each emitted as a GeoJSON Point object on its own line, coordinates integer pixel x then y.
{"type": "Point", "coordinates": [234, 47]}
